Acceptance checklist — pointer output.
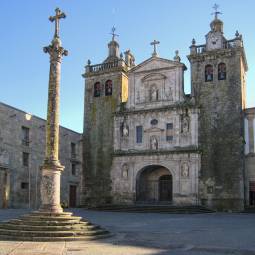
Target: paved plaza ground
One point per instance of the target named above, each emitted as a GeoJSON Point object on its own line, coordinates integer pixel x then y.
{"type": "Point", "coordinates": [154, 234]}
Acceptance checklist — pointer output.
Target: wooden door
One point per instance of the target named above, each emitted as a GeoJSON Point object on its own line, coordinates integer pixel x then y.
{"type": "Point", "coordinates": [72, 196]}
{"type": "Point", "coordinates": [252, 194]}
{"type": "Point", "coordinates": [165, 188]}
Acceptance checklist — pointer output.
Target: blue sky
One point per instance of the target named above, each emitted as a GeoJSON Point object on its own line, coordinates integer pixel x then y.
{"type": "Point", "coordinates": [25, 30]}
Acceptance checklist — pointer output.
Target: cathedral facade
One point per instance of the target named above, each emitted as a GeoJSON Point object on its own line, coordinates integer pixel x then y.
{"type": "Point", "coordinates": [146, 141]}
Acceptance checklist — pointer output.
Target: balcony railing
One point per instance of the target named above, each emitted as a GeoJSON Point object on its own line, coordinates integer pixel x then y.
{"type": "Point", "coordinates": [200, 48]}
{"type": "Point", "coordinates": [105, 66]}
{"type": "Point", "coordinates": [230, 44]}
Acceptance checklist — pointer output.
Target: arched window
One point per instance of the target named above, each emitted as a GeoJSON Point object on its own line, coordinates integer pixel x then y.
{"type": "Point", "coordinates": [208, 73]}
{"type": "Point", "coordinates": [108, 88]}
{"type": "Point", "coordinates": [97, 89]}
{"type": "Point", "coordinates": [222, 71]}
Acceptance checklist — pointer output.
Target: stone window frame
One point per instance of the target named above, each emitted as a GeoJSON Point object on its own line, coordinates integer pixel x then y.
{"type": "Point", "coordinates": [169, 132]}
{"type": "Point", "coordinates": [73, 169]}
{"type": "Point", "coordinates": [25, 135]}
{"type": "Point", "coordinates": [25, 159]}
{"type": "Point", "coordinates": [97, 83]}
{"type": "Point", "coordinates": [24, 185]}
{"type": "Point", "coordinates": [139, 134]}
{"type": "Point", "coordinates": [73, 149]}
{"type": "Point", "coordinates": [105, 88]}
{"type": "Point", "coordinates": [206, 72]}
{"type": "Point", "coordinates": [225, 71]}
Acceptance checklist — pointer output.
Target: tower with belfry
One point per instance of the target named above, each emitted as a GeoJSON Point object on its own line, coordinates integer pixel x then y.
{"type": "Point", "coordinates": [106, 86]}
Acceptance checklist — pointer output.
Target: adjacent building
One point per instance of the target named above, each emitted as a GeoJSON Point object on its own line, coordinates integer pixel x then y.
{"type": "Point", "coordinates": [22, 145]}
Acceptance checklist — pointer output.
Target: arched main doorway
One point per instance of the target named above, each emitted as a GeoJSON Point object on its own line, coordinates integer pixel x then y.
{"type": "Point", "coordinates": [154, 184]}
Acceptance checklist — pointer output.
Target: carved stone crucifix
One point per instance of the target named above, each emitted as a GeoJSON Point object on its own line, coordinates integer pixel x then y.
{"type": "Point", "coordinates": [154, 43]}
{"type": "Point", "coordinates": [59, 15]}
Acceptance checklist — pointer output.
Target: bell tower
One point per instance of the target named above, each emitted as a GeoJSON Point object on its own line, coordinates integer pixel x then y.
{"type": "Point", "coordinates": [218, 87]}
{"type": "Point", "coordinates": [106, 87]}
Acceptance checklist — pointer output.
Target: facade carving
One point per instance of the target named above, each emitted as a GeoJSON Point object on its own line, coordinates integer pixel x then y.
{"type": "Point", "coordinates": [166, 146]}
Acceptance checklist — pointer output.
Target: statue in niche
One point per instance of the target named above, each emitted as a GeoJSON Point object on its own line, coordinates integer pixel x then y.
{"type": "Point", "coordinates": [124, 129]}
{"type": "Point", "coordinates": [185, 123]}
{"type": "Point", "coordinates": [138, 96]}
{"type": "Point", "coordinates": [154, 93]}
{"type": "Point", "coordinates": [125, 171]}
{"type": "Point", "coordinates": [169, 94]}
{"type": "Point", "coordinates": [154, 143]}
{"type": "Point", "coordinates": [185, 170]}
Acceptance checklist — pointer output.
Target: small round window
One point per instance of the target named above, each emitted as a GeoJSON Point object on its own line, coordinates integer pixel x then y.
{"type": "Point", "coordinates": [154, 122]}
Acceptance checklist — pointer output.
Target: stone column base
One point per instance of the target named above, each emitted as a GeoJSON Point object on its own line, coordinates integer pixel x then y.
{"type": "Point", "coordinates": [50, 187]}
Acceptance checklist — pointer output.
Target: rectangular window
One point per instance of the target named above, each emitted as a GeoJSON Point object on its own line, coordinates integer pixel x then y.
{"type": "Point", "coordinates": [25, 136]}
{"type": "Point", "coordinates": [139, 134]}
{"type": "Point", "coordinates": [73, 150]}
{"type": "Point", "coordinates": [169, 126]}
{"type": "Point", "coordinates": [169, 132]}
{"type": "Point", "coordinates": [25, 158]}
{"type": "Point", "coordinates": [73, 169]}
{"type": "Point", "coordinates": [169, 138]}
{"type": "Point", "coordinates": [24, 185]}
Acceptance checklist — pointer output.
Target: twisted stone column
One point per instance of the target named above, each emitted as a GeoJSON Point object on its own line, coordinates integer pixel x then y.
{"type": "Point", "coordinates": [51, 169]}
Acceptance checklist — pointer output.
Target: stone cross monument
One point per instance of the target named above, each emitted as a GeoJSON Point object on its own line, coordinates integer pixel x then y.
{"type": "Point", "coordinates": [50, 223]}
{"type": "Point", "coordinates": [51, 169]}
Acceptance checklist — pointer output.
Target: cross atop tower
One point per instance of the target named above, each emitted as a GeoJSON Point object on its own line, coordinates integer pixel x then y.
{"type": "Point", "coordinates": [216, 12]}
{"type": "Point", "coordinates": [113, 33]}
{"type": "Point", "coordinates": [154, 43]}
{"type": "Point", "coordinates": [59, 15]}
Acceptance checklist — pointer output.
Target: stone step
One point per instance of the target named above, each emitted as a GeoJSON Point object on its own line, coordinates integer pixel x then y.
{"type": "Point", "coordinates": [250, 209]}
{"type": "Point", "coordinates": [155, 209]}
{"type": "Point", "coordinates": [39, 213]}
{"type": "Point", "coordinates": [34, 222]}
{"type": "Point", "coordinates": [39, 226]}
{"type": "Point", "coordinates": [49, 218]}
{"type": "Point", "coordinates": [22, 233]}
{"type": "Point", "coordinates": [54, 239]}
{"type": "Point", "coordinates": [25, 227]}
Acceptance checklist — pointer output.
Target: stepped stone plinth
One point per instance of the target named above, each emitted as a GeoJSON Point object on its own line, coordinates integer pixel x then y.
{"type": "Point", "coordinates": [38, 226]}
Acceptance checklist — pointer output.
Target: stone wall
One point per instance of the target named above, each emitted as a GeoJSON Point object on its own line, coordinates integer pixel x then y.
{"type": "Point", "coordinates": [221, 127]}
{"type": "Point", "coordinates": [98, 133]}
{"type": "Point", "coordinates": [249, 125]}
{"type": "Point", "coordinates": [23, 182]}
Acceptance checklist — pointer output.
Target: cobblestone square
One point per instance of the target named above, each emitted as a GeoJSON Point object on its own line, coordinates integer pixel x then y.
{"type": "Point", "coordinates": [148, 233]}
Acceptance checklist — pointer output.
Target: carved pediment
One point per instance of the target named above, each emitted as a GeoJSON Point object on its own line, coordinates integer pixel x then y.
{"type": "Point", "coordinates": [156, 63]}
{"type": "Point", "coordinates": [153, 77]}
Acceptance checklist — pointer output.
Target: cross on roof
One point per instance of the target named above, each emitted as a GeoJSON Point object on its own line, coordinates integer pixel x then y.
{"type": "Point", "coordinates": [59, 15]}
{"type": "Point", "coordinates": [154, 43]}
{"type": "Point", "coordinates": [113, 33]}
{"type": "Point", "coordinates": [216, 12]}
